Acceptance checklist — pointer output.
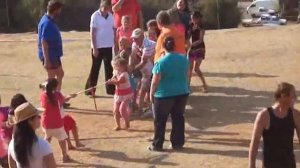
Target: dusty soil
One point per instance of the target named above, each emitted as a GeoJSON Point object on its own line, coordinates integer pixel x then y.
{"type": "Point", "coordinates": [242, 68]}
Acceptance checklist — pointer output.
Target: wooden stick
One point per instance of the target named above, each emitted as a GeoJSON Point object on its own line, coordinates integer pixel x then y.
{"type": "Point", "coordinates": [89, 89]}
{"type": "Point", "coordinates": [94, 98]}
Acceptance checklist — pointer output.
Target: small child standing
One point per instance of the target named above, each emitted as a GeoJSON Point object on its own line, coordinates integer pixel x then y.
{"type": "Point", "coordinates": [151, 35]}
{"type": "Point", "coordinates": [125, 45]}
{"type": "Point", "coordinates": [125, 30]}
{"type": "Point", "coordinates": [197, 50]}
{"type": "Point", "coordinates": [71, 126]}
{"type": "Point", "coordinates": [52, 121]}
{"type": "Point", "coordinates": [153, 30]}
{"type": "Point", "coordinates": [123, 93]}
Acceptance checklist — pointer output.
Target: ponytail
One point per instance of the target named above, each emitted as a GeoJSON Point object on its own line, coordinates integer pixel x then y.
{"type": "Point", "coordinates": [169, 44]}
{"type": "Point", "coordinates": [50, 88]}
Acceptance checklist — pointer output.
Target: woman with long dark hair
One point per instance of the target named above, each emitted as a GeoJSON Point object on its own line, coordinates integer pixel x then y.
{"type": "Point", "coordinates": [26, 149]}
{"type": "Point", "coordinates": [16, 100]}
{"type": "Point", "coordinates": [180, 15]}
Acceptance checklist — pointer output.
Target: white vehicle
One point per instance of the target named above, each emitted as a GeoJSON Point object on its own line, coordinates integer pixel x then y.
{"type": "Point", "coordinates": [264, 20]}
{"type": "Point", "coordinates": [259, 7]}
{"type": "Point", "coordinates": [267, 19]}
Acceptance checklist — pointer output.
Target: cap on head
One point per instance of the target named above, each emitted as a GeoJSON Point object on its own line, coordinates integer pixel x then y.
{"type": "Point", "coordinates": [137, 33]}
{"type": "Point", "coordinates": [24, 112]}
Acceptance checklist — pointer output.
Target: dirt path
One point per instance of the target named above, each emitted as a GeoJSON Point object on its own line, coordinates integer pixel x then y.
{"type": "Point", "coordinates": [242, 68]}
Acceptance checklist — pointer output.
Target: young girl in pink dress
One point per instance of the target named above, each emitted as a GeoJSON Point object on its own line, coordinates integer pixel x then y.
{"type": "Point", "coordinates": [123, 93]}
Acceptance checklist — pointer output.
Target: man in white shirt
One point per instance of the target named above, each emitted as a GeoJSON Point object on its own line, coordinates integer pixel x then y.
{"type": "Point", "coordinates": [102, 41]}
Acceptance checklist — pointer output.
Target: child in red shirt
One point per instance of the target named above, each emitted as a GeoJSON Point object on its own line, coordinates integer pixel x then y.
{"type": "Point", "coordinates": [71, 126]}
{"type": "Point", "coordinates": [52, 121]}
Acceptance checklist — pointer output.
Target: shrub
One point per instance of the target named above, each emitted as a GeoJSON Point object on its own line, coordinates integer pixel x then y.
{"type": "Point", "coordinates": [25, 14]}
{"type": "Point", "coordinates": [229, 13]}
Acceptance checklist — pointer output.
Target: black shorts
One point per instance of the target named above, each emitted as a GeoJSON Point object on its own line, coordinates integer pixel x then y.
{"type": "Point", "coordinates": [55, 63]}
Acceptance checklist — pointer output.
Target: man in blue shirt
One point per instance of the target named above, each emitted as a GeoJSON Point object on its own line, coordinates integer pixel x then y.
{"type": "Point", "coordinates": [50, 48]}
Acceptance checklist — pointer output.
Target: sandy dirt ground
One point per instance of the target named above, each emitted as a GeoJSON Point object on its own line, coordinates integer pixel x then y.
{"type": "Point", "coordinates": [242, 68]}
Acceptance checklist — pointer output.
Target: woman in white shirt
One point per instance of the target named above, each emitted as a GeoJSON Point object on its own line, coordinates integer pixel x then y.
{"type": "Point", "coordinates": [26, 149]}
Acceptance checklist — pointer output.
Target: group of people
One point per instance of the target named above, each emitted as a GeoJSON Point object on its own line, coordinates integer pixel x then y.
{"type": "Point", "coordinates": [149, 69]}
{"type": "Point", "coordinates": [19, 144]}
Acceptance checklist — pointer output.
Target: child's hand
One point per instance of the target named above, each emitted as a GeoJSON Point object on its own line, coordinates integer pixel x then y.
{"type": "Point", "coordinates": [73, 95]}
{"type": "Point", "coordinates": [109, 82]}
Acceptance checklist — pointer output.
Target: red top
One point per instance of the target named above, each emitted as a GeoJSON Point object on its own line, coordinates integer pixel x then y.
{"type": "Point", "coordinates": [122, 33]}
{"type": "Point", "coordinates": [129, 7]}
{"type": "Point", "coordinates": [51, 117]}
{"type": "Point", "coordinates": [123, 92]}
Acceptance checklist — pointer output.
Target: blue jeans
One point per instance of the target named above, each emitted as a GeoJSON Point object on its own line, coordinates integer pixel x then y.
{"type": "Point", "coordinates": [163, 107]}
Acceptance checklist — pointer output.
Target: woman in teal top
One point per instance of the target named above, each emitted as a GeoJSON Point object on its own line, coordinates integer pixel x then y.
{"type": "Point", "coordinates": [169, 94]}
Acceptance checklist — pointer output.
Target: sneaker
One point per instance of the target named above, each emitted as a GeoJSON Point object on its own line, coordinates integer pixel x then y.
{"type": "Point", "coordinates": [150, 139]}
{"type": "Point", "coordinates": [154, 149]}
{"type": "Point", "coordinates": [176, 147]}
{"type": "Point", "coordinates": [147, 113]}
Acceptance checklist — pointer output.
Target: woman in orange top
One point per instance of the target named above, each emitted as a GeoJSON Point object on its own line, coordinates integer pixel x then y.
{"type": "Point", "coordinates": [168, 30]}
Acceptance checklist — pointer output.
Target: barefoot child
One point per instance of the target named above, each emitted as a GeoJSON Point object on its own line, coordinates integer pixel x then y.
{"type": "Point", "coordinates": [52, 122]}
{"type": "Point", "coordinates": [197, 50]}
{"type": "Point", "coordinates": [123, 93]}
{"type": "Point", "coordinates": [152, 30]}
{"type": "Point", "coordinates": [71, 126]}
{"type": "Point", "coordinates": [125, 46]}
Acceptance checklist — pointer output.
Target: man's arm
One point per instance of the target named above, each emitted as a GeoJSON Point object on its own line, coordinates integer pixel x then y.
{"type": "Point", "coordinates": [94, 41]}
{"type": "Point", "coordinates": [45, 48]}
{"type": "Point", "coordinates": [116, 7]}
{"type": "Point", "coordinates": [141, 20]}
{"type": "Point", "coordinates": [155, 82]}
{"type": "Point", "coordinates": [116, 45]}
{"type": "Point", "coordinates": [259, 126]}
{"type": "Point", "coordinates": [142, 63]}
{"type": "Point", "coordinates": [296, 115]}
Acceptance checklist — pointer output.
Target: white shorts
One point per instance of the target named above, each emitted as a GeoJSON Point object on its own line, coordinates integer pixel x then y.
{"type": "Point", "coordinates": [58, 133]}
{"type": "Point", "coordinates": [119, 99]}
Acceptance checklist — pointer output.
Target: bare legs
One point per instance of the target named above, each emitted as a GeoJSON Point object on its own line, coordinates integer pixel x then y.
{"type": "Point", "coordinates": [195, 66]}
{"type": "Point", "coordinates": [122, 110]}
{"type": "Point", "coordinates": [57, 74]}
{"type": "Point", "coordinates": [78, 144]}
{"type": "Point", "coordinates": [63, 147]}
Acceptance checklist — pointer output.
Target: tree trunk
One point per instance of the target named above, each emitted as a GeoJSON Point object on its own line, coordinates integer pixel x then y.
{"type": "Point", "coordinates": [7, 13]}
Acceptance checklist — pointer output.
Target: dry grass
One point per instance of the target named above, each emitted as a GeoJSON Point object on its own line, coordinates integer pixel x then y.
{"type": "Point", "coordinates": [242, 68]}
